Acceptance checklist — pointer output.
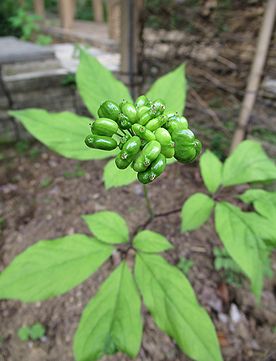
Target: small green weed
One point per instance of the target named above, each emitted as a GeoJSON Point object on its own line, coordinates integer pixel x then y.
{"type": "Point", "coordinates": [45, 182]}
{"type": "Point", "coordinates": [44, 39]}
{"type": "Point", "coordinates": [34, 152]}
{"type": "Point", "coordinates": [76, 173]}
{"type": "Point", "coordinates": [26, 22]}
{"type": "Point", "coordinates": [231, 271]}
{"type": "Point", "coordinates": [2, 223]}
{"type": "Point", "coordinates": [28, 25]}
{"type": "Point", "coordinates": [25, 148]}
{"type": "Point", "coordinates": [34, 332]}
{"type": "Point", "coordinates": [69, 79]}
{"type": "Point", "coordinates": [22, 147]}
{"type": "Point", "coordinates": [185, 265]}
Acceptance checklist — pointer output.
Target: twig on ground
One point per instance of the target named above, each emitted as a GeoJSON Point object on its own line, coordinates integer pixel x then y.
{"type": "Point", "coordinates": [209, 111]}
{"type": "Point", "coordinates": [227, 62]}
{"type": "Point", "coordinates": [210, 77]}
{"type": "Point", "coordinates": [198, 249]}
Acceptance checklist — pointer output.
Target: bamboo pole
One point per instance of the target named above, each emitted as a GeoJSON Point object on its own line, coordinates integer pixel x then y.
{"type": "Point", "coordinates": [39, 7]}
{"type": "Point", "coordinates": [255, 73]}
{"type": "Point", "coordinates": [114, 19]}
{"type": "Point", "coordinates": [98, 11]}
{"type": "Point", "coordinates": [67, 13]}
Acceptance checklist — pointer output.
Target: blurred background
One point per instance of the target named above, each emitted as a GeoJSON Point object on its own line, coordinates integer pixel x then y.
{"type": "Point", "coordinates": [43, 195]}
{"type": "Point", "coordinates": [216, 39]}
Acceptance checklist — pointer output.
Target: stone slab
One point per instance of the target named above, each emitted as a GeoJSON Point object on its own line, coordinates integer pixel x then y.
{"type": "Point", "coordinates": [67, 54]}
{"type": "Point", "coordinates": [14, 50]}
{"type": "Point", "coordinates": [85, 32]}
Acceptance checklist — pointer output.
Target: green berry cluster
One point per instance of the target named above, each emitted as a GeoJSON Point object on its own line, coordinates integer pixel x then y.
{"type": "Point", "coordinates": [145, 134]}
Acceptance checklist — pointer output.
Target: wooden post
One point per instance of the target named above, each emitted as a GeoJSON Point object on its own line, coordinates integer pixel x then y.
{"type": "Point", "coordinates": [256, 72]}
{"type": "Point", "coordinates": [98, 11]}
{"type": "Point", "coordinates": [67, 13]}
{"type": "Point", "coordinates": [131, 46]}
{"type": "Point", "coordinates": [114, 19]}
{"type": "Point", "coordinates": [39, 7]}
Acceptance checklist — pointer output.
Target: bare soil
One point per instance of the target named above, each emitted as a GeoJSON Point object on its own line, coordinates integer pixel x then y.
{"type": "Point", "coordinates": [43, 197]}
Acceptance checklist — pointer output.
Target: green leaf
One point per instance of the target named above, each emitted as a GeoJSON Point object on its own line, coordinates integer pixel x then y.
{"type": "Point", "coordinates": [108, 227]}
{"type": "Point", "coordinates": [247, 164]}
{"type": "Point", "coordinates": [196, 211]}
{"type": "Point", "coordinates": [239, 233]}
{"type": "Point", "coordinates": [97, 84]}
{"type": "Point", "coordinates": [63, 132]}
{"type": "Point", "coordinates": [23, 333]}
{"type": "Point", "coordinates": [218, 263]}
{"type": "Point", "coordinates": [172, 88]}
{"type": "Point", "coordinates": [151, 242]}
{"type": "Point", "coordinates": [37, 331]}
{"type": "Point", "coordinates": [251, 195]}
{"type": "Point", "coordinates": [115, 177]}
{"type": "Point", "coordinates": [111, 321]}
{"type": "Point", "coordinates": [211, 171]}
{"type": "Point", "coordinates": [171, 301]}
{"type": "Point", "coordinates": [265, 228]}
{"type": "Point", "coordinates": [264, 202]}
{"type": "Point", "coordinates": [266, 206]}
{"type": "Point", "coordinates": [51, 268]}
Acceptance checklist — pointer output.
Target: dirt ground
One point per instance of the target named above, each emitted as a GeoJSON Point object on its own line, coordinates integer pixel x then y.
{"type": "Point", "coordinates": [43, 196]}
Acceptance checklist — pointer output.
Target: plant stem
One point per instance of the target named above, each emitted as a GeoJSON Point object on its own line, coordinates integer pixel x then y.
{"type": "Point", "coordinates": [120, 135]}
{"type": "Point", "coordinates": [177, 210]}
{"type": "Point", "coordinates": [129, 131]}
{"type": "Point", "coordinates": [148, 202]}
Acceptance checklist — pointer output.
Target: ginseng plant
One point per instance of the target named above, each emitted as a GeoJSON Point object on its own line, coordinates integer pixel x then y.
{"type": "Point", "coordinates": [143, 136]}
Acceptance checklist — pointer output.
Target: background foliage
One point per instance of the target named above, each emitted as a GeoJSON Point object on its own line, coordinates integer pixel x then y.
{"type": "Point", "coordinates": [249, 237]}
{"type": "Point", "coordinates": [8, 8]}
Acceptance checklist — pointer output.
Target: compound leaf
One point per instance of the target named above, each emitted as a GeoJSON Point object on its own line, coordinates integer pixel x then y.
{"type": "Point", "coordinates": [97, 84]}
{"type": "Point", "coordinates": [112, 320]}
{"type": "Point", "coordinates": [151, 242]}
{"type": "Point", "coordinates": [252, 195]}
{"type": "Point", "coordinates": [211, 171]}
{"type": "Point", "coordinates": [239, 233]}
{"type": "Point", "coordinates": [51, 268]}
{"type": "Point", "coordinates": [171, 301]}
{"type": "Point", "coordinates": [107, 226]}
{"type": "Point", "coordinates": [196, 211]}
{"type": "Point", "coordinates": [64, 133]}
{"type": "Point", "coordinates": [264, 202]}
{"type": "Point", "coordinates": [248, 163]}
{"type": "Point", "coordinates": [172, 88]}
{"type": "Point", "coordinates": [265, 228]}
